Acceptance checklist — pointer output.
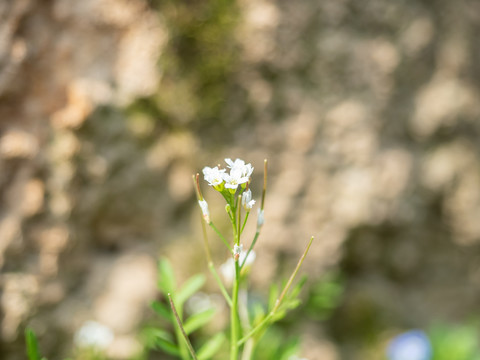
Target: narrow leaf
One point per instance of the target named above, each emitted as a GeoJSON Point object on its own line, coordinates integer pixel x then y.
{"type": "Point", "coordinates": [32, 345]}
{"type": "Point", "coordinates": [162, 310]}
{"type": "Point", "coordinates": [167, 346]}
{"type": "Point", "coordinates": [190, 287]}
{"type": "Point", "coordinates": [166, 276]}
{"type": "Point", "coordinates": [211, 347]}
{"type": "Point", "coordinates": [198, 320]}
{"type": "Point", "coordinates": [258, 313]}
{"type": "Point", "coordinates": [160, 334]}
{"type": "Point", "coordinates": [273, 295]}
{"type": "Point", "coordinates": [298, 287]}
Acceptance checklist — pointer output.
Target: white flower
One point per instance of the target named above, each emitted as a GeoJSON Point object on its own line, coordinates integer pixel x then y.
{"type": "Point", "coordinates": [234, 179]}
{"type": "Point", "coordinates": [260, 218]}
{"type": "Point", "coordinates": [204, 206]}
{"type": "Point", "coordinates": [93, 334]}
{"type": "Point", "coordinates": [240, 166]}
{"type": "Point", "coordinates": [238, 163]}
{"type": "Point", "coordinates": [247, 170]}
{"type": "Point", "coordinates": [214, 176]}
{"type": "Point", "coordinates": [247, 201]}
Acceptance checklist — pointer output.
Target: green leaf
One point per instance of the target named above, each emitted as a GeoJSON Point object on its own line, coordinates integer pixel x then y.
{"type": "Point", "coordinates": [167, 346]}
{"type": "Point", "coordinates": [298, 287]}
{"type": "Point", "coordinates": [160, 339]}
{"type": "Point", "coordinates": [290, 348]}
{"type": "Point", "coordinates": [211, 347]}
{"type": "Point", "coordinates": [292, 304]}
{"type": "Point", "coordinates": [258, 313]}
{"type": "Point", "coordinates": [166, 276]}
{"type": "Point", "coordinates": [272, 296]}
{"type": "Point", "coordinates": [190, 287]}
{"type": "Point", "coordinates": [198, 320]}
{"type": "Point", "coordinates": [32, 345]}
{"type": "Point", "coordinates": [162, 310]}
{"type": "Point", "coordinates": [160, 334]}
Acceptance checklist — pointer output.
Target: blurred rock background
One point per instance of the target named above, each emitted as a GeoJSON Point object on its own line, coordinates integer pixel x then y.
{"type": "Point", "coordinates": [367, 111]}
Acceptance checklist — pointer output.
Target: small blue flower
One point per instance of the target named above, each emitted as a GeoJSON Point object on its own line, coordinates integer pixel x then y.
{"type": "Point", "coordinates": [411, 345]}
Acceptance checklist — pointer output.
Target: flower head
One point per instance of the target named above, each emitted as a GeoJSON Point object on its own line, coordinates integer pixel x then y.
{"type": "Point", "coordinates": [234, 179]}
{"type": "Point", "coordinates": [247, 200]}
{"type": "Point", "coordinates": [245, 170]}
{"type": "Point", "coordinates": [238, 163]}
{"type": "Point", "coordinates": [214, 176]}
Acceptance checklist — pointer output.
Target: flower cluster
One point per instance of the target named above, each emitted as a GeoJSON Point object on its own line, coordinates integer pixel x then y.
{"type": "Point", "coordinates": [239, 175]}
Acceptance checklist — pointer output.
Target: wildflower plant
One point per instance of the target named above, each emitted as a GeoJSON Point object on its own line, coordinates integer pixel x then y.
{"type": "Point", "coordinates": [247, 323]}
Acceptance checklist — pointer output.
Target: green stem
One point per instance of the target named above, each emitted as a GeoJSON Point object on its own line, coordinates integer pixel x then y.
{"type": "Point", "coordinates": [250, 248]}
{"type": "Point", "coordinates": [239, 221]}
{"type": "Point", "coordinates": [212, 267]}
{"type": "Point", "coordinates": [220, 284]}
{"type": "Point", "coordinates": [278, 302]}
{"type": "Point", "coordinates": [256, 328]}
{"type": "Point", "coordinates": [292, 277]}
{"type": "Point", "coordinates": [182, 330]}
{"type": "Point", "coordinates": [245, 221]}
{"type": "Point", "coordinates": [221, 236]}
{"type": "Point", "coordinates": [248, 350]}
{"type": "Point", "coordinates": [234, 325]}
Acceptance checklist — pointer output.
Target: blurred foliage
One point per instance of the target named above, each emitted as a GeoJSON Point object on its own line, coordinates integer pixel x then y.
{"type": "Point", "coordinates": [159, 337]}
{"type": "Point", "coordinates": [278, 344]}
{"type": "Point", "coordinates": [455, 342]}
{"type": "Point", "coordinates": [324, 296]}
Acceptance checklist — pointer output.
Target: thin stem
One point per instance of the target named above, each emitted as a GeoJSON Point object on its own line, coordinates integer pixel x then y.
{"type": "Point", "coordinates": [221, 236]}
{"type": "Point", "coordinates": [278, 302]}
{"type": "Point", "coordinates": [245, 221]}
{"type": "Point", "coordinates": [256, 328]}
{"type": "Point", "coordinates": [264, 182]}
{"type": "Point", "coordinates": [196, 185]}
{"type": "Point", "coordinates": [179, 322]}
{"type": "Point", "coordinates": [239, 222]}
{"type": "Point", "coordinates": [292, 277]}
{"type": "Point", "coordinates": [212, 267]}
{"type": "Point", "coordinates": [251, 247]}
{"type": "Point", "coordinates": [220, 284]}
{"type": "Point", "coordinates": [205, 240]}
{"type": "Point", "coordinates": [257, 233]}
{"type": "Point", "coordinates": [234, 325]}
{"type": "Point", "coordinates": [247, 350]}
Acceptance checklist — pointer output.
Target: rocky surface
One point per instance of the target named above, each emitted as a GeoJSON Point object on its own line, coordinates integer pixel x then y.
{"type": "Point", "coordinates": [368, 113]}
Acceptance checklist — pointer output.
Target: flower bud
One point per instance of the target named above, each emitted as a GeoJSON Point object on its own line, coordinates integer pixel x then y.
{"type": "Point", "coordinates": [260, 218]}
{"type": "Point", "coordinates": [247, 201]}
{"type": "Point", "coordinates": [206, 214]}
